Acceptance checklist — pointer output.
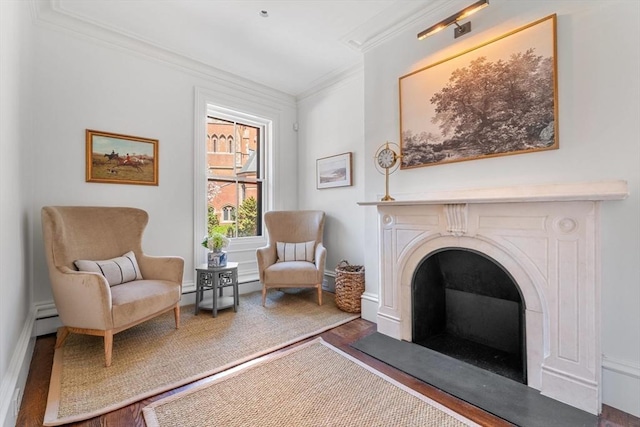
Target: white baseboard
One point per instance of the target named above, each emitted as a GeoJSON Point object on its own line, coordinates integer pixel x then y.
{"type": "Point", "coordinates": [621, 385]}
{"type": "Point", "coordinates": [13, 382]}
{"type": "Point", "coordinates": [369, 306]}
{"type": "Point", "coordinates": [329, 281]}
{"type": "Point", "coordinates": [48, 322]}
{"type": "Point", "coordinates": [46, 318]}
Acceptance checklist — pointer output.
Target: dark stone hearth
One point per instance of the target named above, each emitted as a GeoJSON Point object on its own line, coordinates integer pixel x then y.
{"type": "Point", "coordinates": [505, 398]}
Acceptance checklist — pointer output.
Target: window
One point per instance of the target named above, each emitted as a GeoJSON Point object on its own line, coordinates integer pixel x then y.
{"type": "Point", "coordinates": [234, 177]}
{"type": "Point", "coordinates": [228, 214]}
{"type": "Point", "coordinates": [209, 178]}
{"type": "Point", "coordinates": [212, 143]}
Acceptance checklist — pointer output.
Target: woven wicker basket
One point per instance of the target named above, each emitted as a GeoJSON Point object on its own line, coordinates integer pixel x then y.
{"type": "Point", "coordinates": [349, 286]}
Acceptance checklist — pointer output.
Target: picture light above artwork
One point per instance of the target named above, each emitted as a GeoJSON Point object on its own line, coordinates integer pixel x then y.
{"type": "Point", "coordinates": [460, 30]}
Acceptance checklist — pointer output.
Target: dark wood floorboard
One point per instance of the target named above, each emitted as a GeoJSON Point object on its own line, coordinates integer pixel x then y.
{"type": "Point", "coordinates": [35, 394]}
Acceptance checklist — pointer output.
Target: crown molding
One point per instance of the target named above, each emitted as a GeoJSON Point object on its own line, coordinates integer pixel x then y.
{"type": "Point", "coordinates": [332, 80]}
{"type": "Point", "coordinates": [52, 15]}
{"type": "Point", "coordinates": [370, 35]}
{"type": "Point", "coordinates": [49, 14]}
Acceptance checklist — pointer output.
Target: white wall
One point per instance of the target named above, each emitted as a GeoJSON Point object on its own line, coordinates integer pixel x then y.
{"type": "Point", "coordinates": [82, 83]}
{"type": "Point", "coordinates": [16, 342]}
{"type": "Point", "coordinates": [60, 77]}
{"type": "Point", "coordinates": [599, 99]}
{"type": "Point", "coordinates": [331, 122]}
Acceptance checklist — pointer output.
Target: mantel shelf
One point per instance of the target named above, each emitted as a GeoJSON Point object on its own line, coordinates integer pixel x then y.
{"type": "Point", "coordinates": [590, 191]}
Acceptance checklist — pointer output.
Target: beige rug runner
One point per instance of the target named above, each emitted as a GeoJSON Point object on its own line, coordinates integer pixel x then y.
{"type": "Point", "coordinates": [154, 357]}
{"type": "Point", "coordinates": [313, 384]}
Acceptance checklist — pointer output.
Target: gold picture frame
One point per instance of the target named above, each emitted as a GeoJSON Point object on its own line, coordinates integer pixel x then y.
{"type": "Point", "coordinates": [121, 159]}
{"type": "Point", "coordinates": [496, 99]}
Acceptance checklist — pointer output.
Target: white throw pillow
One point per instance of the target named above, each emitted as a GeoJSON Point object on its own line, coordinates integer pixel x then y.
{"type": "Point", "coordinates": [296, 251]}
{"type": "Point", "coordinates": [117, 270]}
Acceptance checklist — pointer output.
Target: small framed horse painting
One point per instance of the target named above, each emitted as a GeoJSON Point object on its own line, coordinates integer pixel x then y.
{"type": "Point", "coordinates": [121, 159]}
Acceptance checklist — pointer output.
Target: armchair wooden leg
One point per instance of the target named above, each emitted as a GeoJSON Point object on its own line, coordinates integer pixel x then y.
{"type": "Point", "coordinates": [320, 294]}
{"type": "Point", "coordinates": [63, 333]}
{"type": "Point", "coordinates": [176, 314]}
{"type": "Point", "coordinates": [108, 347]}
{"type": "Point", "coordinates": [264, 294]}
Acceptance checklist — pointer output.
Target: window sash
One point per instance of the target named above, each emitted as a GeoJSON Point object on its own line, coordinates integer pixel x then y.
{"type": "Point", "coordinates": [237, 182]}
{"type": "Point", "coordinates": [263, 112]}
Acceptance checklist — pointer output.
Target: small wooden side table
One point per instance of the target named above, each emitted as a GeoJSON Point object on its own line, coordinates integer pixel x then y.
{"type": "Point", "coordinates": [216, 279]}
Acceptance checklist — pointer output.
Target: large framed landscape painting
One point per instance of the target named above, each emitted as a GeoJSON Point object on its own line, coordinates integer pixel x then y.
{"type": "Point", "coordinates": [121, 159]}
{"type": "Point", "coordinates": [496, 99]}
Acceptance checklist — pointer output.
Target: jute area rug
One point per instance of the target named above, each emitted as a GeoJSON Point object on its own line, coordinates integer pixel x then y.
{"type": "Point", "coordinates": [154, 357]}
{"type": "Point", "coordinates": [313, 384]}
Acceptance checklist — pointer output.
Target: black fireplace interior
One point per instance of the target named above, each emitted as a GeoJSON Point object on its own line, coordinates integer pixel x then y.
{"type": "Point", "coordinates": [465, 305]}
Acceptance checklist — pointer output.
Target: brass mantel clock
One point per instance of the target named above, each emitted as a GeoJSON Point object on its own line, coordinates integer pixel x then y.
{"type": "Point", "coordinates": [387, 161]}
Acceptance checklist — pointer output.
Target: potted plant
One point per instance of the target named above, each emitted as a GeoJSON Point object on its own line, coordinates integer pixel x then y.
{"type": "Point", "coordinates": [215, 242]}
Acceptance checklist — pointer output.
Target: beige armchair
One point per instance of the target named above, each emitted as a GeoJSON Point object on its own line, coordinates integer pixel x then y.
{"type": "Point", "coordinates": [295, 256]}
{"type": "Point", "coordinates": [93, 303]}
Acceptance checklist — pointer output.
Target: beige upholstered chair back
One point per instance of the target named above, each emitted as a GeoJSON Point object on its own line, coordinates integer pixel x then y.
{"type": "Point", "coordinates": [96, 233]}
{"type": "Point", "coordinates": [85, 301]}
{"type": "Point", "coordinates": [294, 226]}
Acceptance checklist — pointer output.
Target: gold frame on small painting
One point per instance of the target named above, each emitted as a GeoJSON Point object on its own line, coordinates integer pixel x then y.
{"type": "Point", "coordinates": [121, 159]}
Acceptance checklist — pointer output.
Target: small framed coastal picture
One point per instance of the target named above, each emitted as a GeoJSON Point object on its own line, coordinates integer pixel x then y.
{"type": "Point", "coordinates": [334, 171]}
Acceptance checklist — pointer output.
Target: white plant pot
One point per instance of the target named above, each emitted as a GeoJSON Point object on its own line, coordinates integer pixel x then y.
{"type": "Point", "coordinates": [217, 259]}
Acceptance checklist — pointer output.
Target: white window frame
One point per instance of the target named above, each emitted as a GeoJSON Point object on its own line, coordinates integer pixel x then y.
{"type": "Point", "coordinates": [210, 104]}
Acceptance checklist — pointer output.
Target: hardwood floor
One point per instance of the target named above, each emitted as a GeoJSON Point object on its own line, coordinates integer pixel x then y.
{"type": "Point", "coordinates": [35, 395]}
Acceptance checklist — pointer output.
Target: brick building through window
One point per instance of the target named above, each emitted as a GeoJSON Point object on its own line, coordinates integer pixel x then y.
{"type": "Point", "coordinates": [234, 187]}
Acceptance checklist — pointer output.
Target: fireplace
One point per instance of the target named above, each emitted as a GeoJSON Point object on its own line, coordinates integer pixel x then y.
{"type": "Point", "coordinates": [545, 239]}
{"type": "Point", "coordinates": [466, 306]}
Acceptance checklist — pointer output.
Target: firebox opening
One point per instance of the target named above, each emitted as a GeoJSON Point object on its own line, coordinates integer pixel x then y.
{"type": "Point", "coordinates": [465, 305]}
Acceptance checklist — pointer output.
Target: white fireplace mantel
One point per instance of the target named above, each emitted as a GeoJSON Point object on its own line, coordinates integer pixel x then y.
{"type": "Point", "coordinates": [546, 236]}
{"type": "Point", "coordinates": [589, 191]}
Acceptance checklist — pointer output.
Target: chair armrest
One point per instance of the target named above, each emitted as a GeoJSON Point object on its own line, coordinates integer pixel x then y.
{"type": "Point", "coordinates": [169, 268]}
{"type": "Point", "coordinates": [266, 256]}
{"type": "Point", "coordinates": [321, 256]}
{"type": "Point", "coordinates": [83, 299]}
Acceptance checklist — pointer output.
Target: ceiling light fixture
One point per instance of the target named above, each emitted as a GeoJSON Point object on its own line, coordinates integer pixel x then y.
{"type": "Point", "coordinates": [460, 30]}
{"type": "Point", "coordinates": [264, 13]}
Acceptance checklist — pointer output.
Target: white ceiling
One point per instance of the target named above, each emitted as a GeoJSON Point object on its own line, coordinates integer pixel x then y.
{"type": "Point", "coordinates": [300, 45]}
